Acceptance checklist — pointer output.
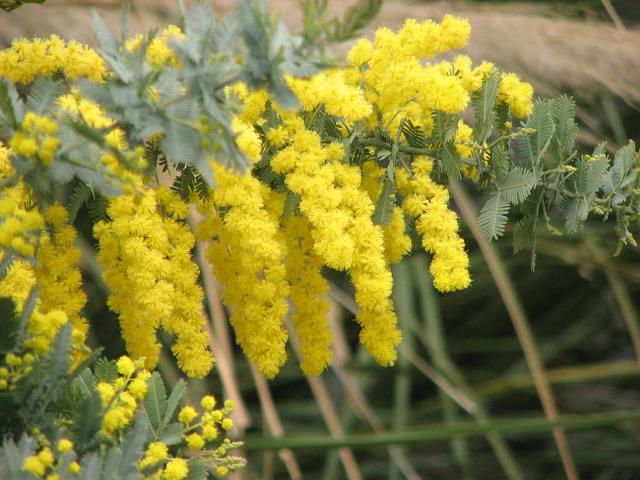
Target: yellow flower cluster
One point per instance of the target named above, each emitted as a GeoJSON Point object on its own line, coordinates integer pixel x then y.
{"type": "Point", "coordinates": [397, 243]}
{"type": "Point", "coordinates": [427, 202]}
{"type": "Point", "coordinates": [27, 59]}
{"type": "Point", "coordinates": [19, 226]}
{"type": "Point", "coordinates": [332, 90]}
{"type": "Point", "coordinates": [36, 137]}
{"type": "Point", "coordinates": [344, 235]}
{"type": "Point", "coordinates": [58, 275]}
{"type": "Point", "coordinates": [203, 432]}
{"type": "Point", "coordinates": [146, 260]}
{"type": "Point", "coordinates": [397, 83]}
{"type": "Point", "coordinates": [516, 94]}
{"type": "Point", "coordinates": [158, 51]}
{"type": "Point", "coordinates": [120, 397]}
{"type": "Point", "coordinates": [266, 253]}
{"type": "Point", "coordinates": [307, 293]}
{"type": "Point", "coordinates": [45, 462]}
{"type": "Point", "coordinates": [61, 295]}
{"type": "Point", "coordinates": [248, 260]}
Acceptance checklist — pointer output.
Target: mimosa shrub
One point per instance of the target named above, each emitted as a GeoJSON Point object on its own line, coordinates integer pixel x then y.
{"type": "Point", "coordinates": [295, 170]}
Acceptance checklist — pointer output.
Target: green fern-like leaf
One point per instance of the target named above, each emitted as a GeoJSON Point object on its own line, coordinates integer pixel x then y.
{"type": "Point", "coordinates": [563, 110]}
{"type": "Point", "coordinates": [43, 94]}
{"type": "Point", "coordinates": [575, 213]}
{"type": "Point", "coordinates": [105, 370]}
{"type": "Point", "coordinates": [524, 233]}
{"type": "Point", "coordinates": [622, 174]}
{"type": "Point", "coordinates": [386, 202]}
{"type": "Point", "coordinates": [356, 18]}
{"type": "Point", "coordinates": [532, 147]}
{"type": "Point", "coordinates": [10, 325]}
{"type": "Point", "coordinates": [449, 161]}
{"type": "Point", "coordinates": [97, 208]}
{"type": "Point", "coordinates": [492, 218]}
{"type": "Point", "coordinates": [11, 105]}
{"type": "Point", "coordinates": [517, 185]}
{"type": "Point", "coordinates": [483, 103]}
{"type": "Point", "coordinates": [414, 135]}
{"type": "Point", "coordinates": [105, 38]}
{"type": "Point", "coordinates": [5, 264]}
{"type": "Point", "coordinates": [589, 176]}
{"type": "Point", "coordinates": [155, 403]}
{"type": "Point", "coordinates": [174, 399]}
{"type": "Point", "coordinates": [78, 198]}
{"type": "Point", "coordinates": [86, 421]}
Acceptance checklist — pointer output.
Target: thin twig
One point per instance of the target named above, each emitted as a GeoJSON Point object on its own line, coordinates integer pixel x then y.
{"type": "Point", "coordinates": [323, 399]}
{"type": "Point", "coordinates": [629, 313]}
{"type": "Point", "coordinates": [419, 363]}
{"type": "Point", "coordinates": [615, 18]}
{"type": "Point", "coordinates": [274, 423]}
{"type": "Point", "coordinates": [342, 355]}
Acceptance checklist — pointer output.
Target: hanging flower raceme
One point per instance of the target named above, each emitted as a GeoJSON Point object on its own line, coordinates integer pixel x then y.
{"type": "Point", "coordinates": [307, 292]}
{"type": "Point", "coordinates": [249, 261]}
{"type": "Point", "coordinates": [427, 202]}
{"type": "Point", "coordinates": [146, 259]}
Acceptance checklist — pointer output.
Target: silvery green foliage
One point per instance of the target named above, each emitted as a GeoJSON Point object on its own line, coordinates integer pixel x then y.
{"type": "Point", "coordinates": [191, 111]}
{"type": "Point", "coordinates": [537, 168]}
{"type": "Point", "coordinates": [248, 45]}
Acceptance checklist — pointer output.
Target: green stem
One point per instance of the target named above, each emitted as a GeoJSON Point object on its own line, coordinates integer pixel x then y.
{"type": "Point", "coordinates": [438, 433]}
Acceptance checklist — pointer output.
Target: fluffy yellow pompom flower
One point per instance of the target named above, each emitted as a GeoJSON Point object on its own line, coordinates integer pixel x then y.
{"type": "Point", "coordinates": [146, 259]}
{"type": "Point", "coordinates": [33, 464]}
{"type": "Point", "coordinates": [156, 452]}
{"type": "Point", "coordinates": [65, 445]}
{"type": "Point", "coordinates": [208, 402]}
{"type": "Point", "coordinates": [437, 224]}
{"type": "Point", "coordinates": [125, 366]}
{"type": "Point", "coordinates": [308, 290]}
{"type": "Point", "coordinates": [195, 441]}
{"type": "Point", "coordinates": [516, 94]}
{"type": "Point", "coordinates": [158, 52]}
{"type": "Point", "coordinates": [248, 259]}
{"type": "Point", "coordinates": [58, 274]}
{"type": "Point", "coordinates": [187, 414]}
{"type": "Point", "coordinates": [74, 468]}
{"type": "Point", "coordinates": [176, 469]}
{"type": "Point", "coordinates": [330, 89]}
{"type": "Point", "coordinates": [26, 59]}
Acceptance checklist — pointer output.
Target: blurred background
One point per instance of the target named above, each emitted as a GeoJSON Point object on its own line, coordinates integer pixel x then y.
{"type": "Point", "coordinates": [481, 371]}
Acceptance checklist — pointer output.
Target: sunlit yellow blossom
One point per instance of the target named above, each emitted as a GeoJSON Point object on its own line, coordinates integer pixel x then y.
{"type": "Point", "coordinates": [158, 51]}
{"type": "Point", "coordinates": [65, 445]}
{"type": "Point", "coordinates": [58, 274]}
{"type": "Point", "coordinates": [330, 89]}
{"type": "Point", "coordinates": [142, 251]}
{"type": "Point", "coordinates": [34, 465]}
{"type": "Point", "coordinates": [25, 60]}
{"type": "Point", "coordinates": [248, 259]}
{"type": "Point", "coordinates": [187, 414]}
{"type": "Point", "coordinates": [176, 469]}
{"type": "Point", "coordinates": [438, 226]}
{"type": "Point", "coordinates": [308, 289]}
{"type": "Point", "coordinates": [516, 94]}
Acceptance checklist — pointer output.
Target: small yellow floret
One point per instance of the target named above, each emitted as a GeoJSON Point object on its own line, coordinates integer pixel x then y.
{"type": "Point", "coordinates": [187, 414]}
{"type": "Point", "coordinates": [65, 445]}
{"type": "Point", "coordinates": [176, 469]}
